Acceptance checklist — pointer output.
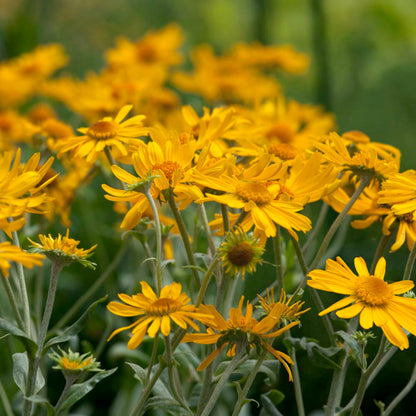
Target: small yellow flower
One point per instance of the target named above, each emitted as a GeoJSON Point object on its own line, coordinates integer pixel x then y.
{"type": "Point", "coordinates": [241, 330]}
{"type": "Point", "coordinates": [155, 313]}
{"type": "Point", "coordinates": [240, 253]}
{"type": "Point", "coordinates": [370, 297]}
{"type": "Point", "coordinates": [73, 361]}
{"type": "Point", "coordinates": [63, 249]}
{"type": "Point", "coordinates": [9, 253]}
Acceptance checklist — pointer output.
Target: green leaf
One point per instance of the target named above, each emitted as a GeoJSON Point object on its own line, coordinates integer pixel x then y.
{"type": "Point", "coordinates": [168, 405]}
{"type": "Point", "coordinates": [44, 401]}
{"type": "Point", "coordinates": [275, 396]}
{"type": "Point", "coordinates": [21, 370]}
{"type": "Point", "coordinates": [78, 391]}
{"type": "Point", "coordinates": [14, 330]}
{"type": "Point", "coordinates": [330, 357]}
{"type": "Point", "coordinates": [357, 352]}
{"type": "Point", "coordinates": [75, 328]}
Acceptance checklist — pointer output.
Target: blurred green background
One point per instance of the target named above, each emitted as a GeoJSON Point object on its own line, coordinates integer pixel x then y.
{"type": "Point", "coordinates": [363, 69]}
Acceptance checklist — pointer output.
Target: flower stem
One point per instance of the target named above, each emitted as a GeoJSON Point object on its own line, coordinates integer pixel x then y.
{"type": "Point", "coordinates": [12, 299]}
{"type": "Point", "coordinates": [315, 230]}
{"type": "Point", "coordinates": [182, 229]}
{"type": "Point", "coordinates": [365, 180]}
{"type": "Point", "coordinates": [69, 381]}
{"type": "Point", "coordinates": [409, 264]}
{"type": "Point", "coordinates": [277, 248]}
{"type": "Point", "coordinates": [298, 387]}
{"type": "Point", "coordinates": [224, 378]}
{"type": "Point", "coordinates": [153, 357]}
{"type": "Point", "coordinates": [206, 279]}
{"type": "Point", "coordinates": [158, 231]}
{"type": "Point", "coordinates": [5, 400]}
{"type": "Point", "coordinates": [56, 269]}
{"type": "Point", "coordinates": [380, 250]}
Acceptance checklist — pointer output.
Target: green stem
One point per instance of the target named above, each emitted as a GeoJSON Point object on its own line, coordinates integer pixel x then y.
{"type": "Point", "coordinates": [297, 385]}
{"type": "Point", "coordinates": [224, 378]}
{"type": "Point", "coordinates": [56, 269]}
{"type": "Point", "coordinates": [277, 248]}
{"type": "Point", "coordinates": [315, 230]}
{"type": "Point", "coordinates": [302, 263]}
{"type": "Point", "coordinates": [407, 388]}
{"type": "Point", "coordinates": [158, 231]}
{"type": "Point", "coordinates": [203, 215]}
{"type": "Point", "coordinates": [5, 400]}
{"type": "Point", "coordinates": [92, 289]}
{"type": "Point", "coordinates": [23, 290]}
{"type": "Point", "coordinates": [409, 264]}
{"type": "Point", "coordinates": [206, 279]}
{"type": "Point", "coordinates": [337, 387]}
{"type": "Point", "coordinates": [365, 180]}
{"type": "Point", "coordinates": [380, 250]}
{"type": "Point", "coordinates": [362, 385]}
{"type": "Point", "coordinates": [242, 395]}
{"type": "Point", "coordinates": [182, 229]}
{"type": "Point", "coordinates": [225, 218]}
{"type": "Point", "coordinates": [12, 299]}
{"type": "Point", "coordinates": [69, 381]}
{"type": "Point", "coordinates": [153, 357]}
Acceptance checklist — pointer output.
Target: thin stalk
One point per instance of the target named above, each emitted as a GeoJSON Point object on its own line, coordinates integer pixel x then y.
{"type": "Point", "coordinates": [362, 385]}
{"type": "Point", "coordinates": [225, 218]}
{"type": "Point", "coordinates": [315, 230]}
{"type": "Point", "coordinates": [336, 388]}
{"type": "Point", "coordinates": [409, 264]}
{"type": "Point", "coordinates": [406, 390]}
{"type": "Point", "coordinates": [224, 378]}
{"type": "Point", "coordinates": [182, 229]}
{"type": "Point", "coordinates": [203, 215]}
{"type": "Point", "coordinates": [277, 249]}
{"type": "Point", "coordinates": [297, 385]}
{"type": "Point", "coordinates": [5, 400]}
{"type": "Point", "coordinates": [158, 231]}
{"type": "Point", "coordinates": [69, 381]}
{"type": "Point", "coordinates": [247, 385]}
{"type": "Point", "coordinates": [302, 263]}
{"type": "Point", "coordinates": [365, 180]}
{"type": "Point", "coordinates": [206, 279]}
{"type": "Point", "coordinates": [56, 268]}
{"type": "Point", "coordinates": [23, 290]}
{"type": "Point", "coordinates": [149, 254]}
{"type": "Point", "coordinates": [12, 299]}
{"type": "Point", "coordinates": [380, 250]}
{"type": "Point", "coordinates": [152, 358]}
{"type": "Point", "coordinates": [92, 289]}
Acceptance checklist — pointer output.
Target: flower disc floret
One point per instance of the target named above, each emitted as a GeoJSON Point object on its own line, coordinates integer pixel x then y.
{"type": "Point", "coordinates": [253, 191]}
{"type": "Point", "coordinates": [102, 130]}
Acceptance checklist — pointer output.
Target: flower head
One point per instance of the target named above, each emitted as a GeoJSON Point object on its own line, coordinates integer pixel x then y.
{"type": "Point", "coordinates": [63, 249]}
{"type": "Point", "coordinates": [240, 253]}
{"type": "Point", "coordinates": [369, 296]}
{"type": "Point", "coordinates": [155, 313]}
{"type": "Point", "coordinates": [241, 331]}
{"type": "Point", "coordinates": [73, 361]}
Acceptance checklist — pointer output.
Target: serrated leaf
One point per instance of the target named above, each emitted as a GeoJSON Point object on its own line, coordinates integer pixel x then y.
{"type": "Point", "coordinates": [78, 391]}
{"type": "Point", "coordinates": [357, 352]}
{"type": "Point", "coordinates": [75, 328]}
{"type": "Point", "coordinates": [14, 330]}
{"type": "Point", "coordinates": [21, 370]}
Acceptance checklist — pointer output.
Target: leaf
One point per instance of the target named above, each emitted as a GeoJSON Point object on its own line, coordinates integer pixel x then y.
{"type": "Point", "coordinates": [75, 328]}
{"type": "Point", "coordinates": [44, 401]}
{"type": "Point", "coordinates": [78, 391]}
{"type": "Point", "coordinates": [168, 405]}
{"type": "Point", "coordinates": [12, 329]}
{"type": "Point", "coordinates": [275, 396]}
{"type": "Point", "coordinates": [357, 352]}
{"type": "Point", "coordinates": [21, 370]}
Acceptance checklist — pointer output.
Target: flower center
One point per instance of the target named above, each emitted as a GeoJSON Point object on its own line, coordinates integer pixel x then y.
{"type": "Point", "coordinates": [254, 191]}
{"type": "Point", "coordinates": [168, 168]}
{"type": "Point", "coordinates": [74, 365]}
{"type": "Point", "coordinates": [163, 307]}
{"type": "Point", "coordinates": [283, 150]}
{"type": "Point", "coordinates": [373, 291]}
{"type": "Point", "coordinates": [241, 254]}
{"type": "Point", "coordinates": [407, 217]}
{"type": "Point", "coordinates": [282, 131]}
{"type": "Point", "coordinates": [102, 130]}
{"type": "Point", "coordinates": [146, 53]}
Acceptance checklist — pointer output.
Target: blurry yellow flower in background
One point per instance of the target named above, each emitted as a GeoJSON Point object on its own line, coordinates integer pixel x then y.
{"type": "Point", "coordinates": [156, 313]}
{"type": "Point", "coordinates": [371, 297]}
{"type": "Point", "coordinates": [9, 253]}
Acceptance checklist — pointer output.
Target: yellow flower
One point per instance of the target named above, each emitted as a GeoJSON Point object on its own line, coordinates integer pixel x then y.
{"type": "Point", "coordinates": [9, 253]}
{"type": "Point", "coordinates": [73, 361]}
{"type": "Point", "coordinates": [371, 297]}
{"type": "Point", "coordinates": [241, 329]}
{"type": "Point", "coordinates": [240, 253]}
{"type": "Point", "coordinates": [155, 313]}
{"type": "Point", "coordinates": [63, 249]}
{"type": "Point", "coordinates": [105, 132]}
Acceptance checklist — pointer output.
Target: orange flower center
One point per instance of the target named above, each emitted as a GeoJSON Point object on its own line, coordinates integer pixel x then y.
{"type": "Point", "coordinates": [254, 191]}
{"type": "Point", "coordinates": [168, 168]}
{"type": "Point", "coordinates": [241, 254]}
{"type": "Point", "coordinates": [373, 291]}
{"type": "Point", "coordinates": [283, 150]}
{"type": "Point", "coordinates": [282, 131]}
{"type": "Point", "coordinates": [102, 130]}
{"type": "Point", "coordinates": [74, 365]}
{"type": "Point", "coordinates": [163, 307]}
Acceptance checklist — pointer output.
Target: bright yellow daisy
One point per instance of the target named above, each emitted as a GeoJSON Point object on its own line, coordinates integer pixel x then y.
{"type": "Point", "coordinates": [9, 253]}
{"type": "Point", "coordinates": [244, 329]}
{"type": "Point", "coordinates": [155, 313]}
{"type": "Point", "coordinates": [105, 132]}
{"type": "Point", "coordinates": [369, 296]}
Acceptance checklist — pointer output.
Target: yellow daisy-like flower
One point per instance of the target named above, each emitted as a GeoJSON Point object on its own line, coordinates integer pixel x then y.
{"type": "Point", "coordinates": [73, 361]}
{"type": "Point", "coordinates": [105, 132]}
{"type": "Point", "coordinates": [9, 253]}
{"type": "Point", "coordinates": [369, 296]}
{"type": "Point", "coordinates": [240, 253]}
{"type": "Point", "coordinates": [155, 313]}
{"type": "Point", "coordinates": [63, 249]}
{"type": "Point", "coordinates": [241, 328]}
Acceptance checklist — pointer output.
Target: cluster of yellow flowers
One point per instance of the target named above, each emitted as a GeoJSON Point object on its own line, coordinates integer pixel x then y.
{"type": "Point", "coordinates": [261, 157]}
